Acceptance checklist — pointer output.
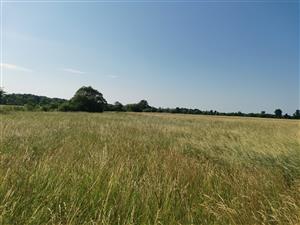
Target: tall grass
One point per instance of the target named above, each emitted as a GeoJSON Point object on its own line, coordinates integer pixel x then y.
{"type": "Point", "coordinates": [122, 168]}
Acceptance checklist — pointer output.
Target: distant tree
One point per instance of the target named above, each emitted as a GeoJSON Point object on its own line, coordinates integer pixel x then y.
{"type": "Point", "coordinates": [132, 108]}
{"type": "Point", "coordinates": [262, 114]}
{"type": "Point", "coordinates": [118, 107]}
{"type": "Point", "coordinates": [142, 105]}
{"type": "Point", "coordinates": [153, 109]}
{"type": "Point", "coordinates": [278, 113]}
{"type": "Point", "coordinates": [197, 111]}
{"type": "Point", "coordinates": [297, 114]}
{"type": "Point", "coordinates": [139, 107]}
{"type": "Point", "coordinates": [109, 107]}
{"type": "Point", "coordinates": [239, 113]}
{"type": "Point", "coordinates": [160, 110]}
{"type": "Point", "coordinates": [1, 95]}
{"type": "Point", "coordinates": [88, 99]}
{"type": "Point", "coordinates": [22, 99]}
{"type": "Point", "coordinates": [176, 110]}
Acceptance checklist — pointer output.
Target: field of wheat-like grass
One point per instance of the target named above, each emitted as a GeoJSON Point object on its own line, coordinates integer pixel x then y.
{"type": "Point", "coordinates": [131, 168]}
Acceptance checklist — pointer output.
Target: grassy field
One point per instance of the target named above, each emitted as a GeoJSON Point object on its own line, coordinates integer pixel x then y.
{"type": "Point", "coordinates": [122, 168]}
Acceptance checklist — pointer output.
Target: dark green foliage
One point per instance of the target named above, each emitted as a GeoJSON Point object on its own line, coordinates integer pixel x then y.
{"type": "Point", "coordinates": [118, 107]}
{"type": "Point", "coordinates": [51, 107]}
{"type": "Point", "coordinates": [278, 113]}
{"type": "Point", "coordinates": [65, 107]}
{"type": "Point", "coordinates": [150, 109]}
{"type": "Point", "coordinates": [132, 108]}
{"type": "Point", "coordinates": [89, 100]}
{"type": "Point", "coordinates": [1, 95]}
{"type": "Point", "coordinates": [142, 106]}
{"type": "Point", "coordinates": [22, 99]}
{"type": "Point", "coordinates": [297, 114]}
{"type": "Point", "coordinates": [109, 107]}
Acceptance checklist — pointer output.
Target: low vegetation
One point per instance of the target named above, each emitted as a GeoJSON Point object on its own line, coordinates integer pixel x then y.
{"type": "Point", "coordinates": [139, 168]}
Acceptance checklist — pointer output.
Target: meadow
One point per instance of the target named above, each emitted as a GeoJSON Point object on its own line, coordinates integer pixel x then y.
{"type": "Point", "coordinates": [64, 168]}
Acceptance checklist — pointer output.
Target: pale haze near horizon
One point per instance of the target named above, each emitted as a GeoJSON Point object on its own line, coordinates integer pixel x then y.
{"type": "Point", "coordinates": [240, 56]}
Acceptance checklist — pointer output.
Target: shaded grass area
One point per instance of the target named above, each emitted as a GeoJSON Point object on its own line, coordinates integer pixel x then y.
{"type": "Point", "coordinates": [130, 168]}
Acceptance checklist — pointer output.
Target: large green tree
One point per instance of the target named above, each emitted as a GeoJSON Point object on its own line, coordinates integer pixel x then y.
{"type": "Point", "coordinates": [88, 99]}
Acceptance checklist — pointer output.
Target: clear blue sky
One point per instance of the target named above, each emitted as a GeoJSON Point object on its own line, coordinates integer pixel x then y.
{"type": "Point", "coordinates": [225, 55]}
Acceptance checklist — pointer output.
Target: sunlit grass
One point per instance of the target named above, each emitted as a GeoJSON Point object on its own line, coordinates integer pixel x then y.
{"type": "Point", "coordinates": [129, 168]}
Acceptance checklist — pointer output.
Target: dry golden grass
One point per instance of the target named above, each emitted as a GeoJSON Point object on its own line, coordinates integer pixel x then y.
{"type": "Point", "coordinates": [123, 168]}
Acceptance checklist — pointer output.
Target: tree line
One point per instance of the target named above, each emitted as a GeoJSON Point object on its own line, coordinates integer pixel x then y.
{"type": "Point", "coordinates": [88, 99]}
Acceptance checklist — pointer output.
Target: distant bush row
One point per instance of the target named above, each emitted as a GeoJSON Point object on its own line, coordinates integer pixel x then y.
{"type": "Point", "coordinates": [87, 99]}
